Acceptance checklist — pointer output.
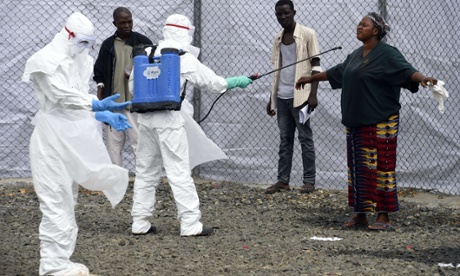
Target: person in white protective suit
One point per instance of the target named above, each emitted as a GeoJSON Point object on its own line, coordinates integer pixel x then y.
{"type": "Point", "coordinates": [163, 139]}
{"type": "Point", "coordinates": [66, 147]}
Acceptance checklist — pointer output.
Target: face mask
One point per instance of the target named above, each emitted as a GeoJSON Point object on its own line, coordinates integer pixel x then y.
{"type": "Point", "coordinates": [74, 50]}
{"type": "Point", "coordinates": [81, 40]}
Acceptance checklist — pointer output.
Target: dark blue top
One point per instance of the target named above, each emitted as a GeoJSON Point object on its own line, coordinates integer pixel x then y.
{"type": "Point", "coordinates": [371, 85]}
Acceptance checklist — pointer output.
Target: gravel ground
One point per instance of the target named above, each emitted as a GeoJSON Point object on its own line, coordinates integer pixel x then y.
{"type": "Point", "coordinates": [257, 234]}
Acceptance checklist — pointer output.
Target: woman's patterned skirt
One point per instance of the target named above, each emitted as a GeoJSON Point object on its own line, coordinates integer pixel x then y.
{"type": "Point", "coordinates": [371, 158]}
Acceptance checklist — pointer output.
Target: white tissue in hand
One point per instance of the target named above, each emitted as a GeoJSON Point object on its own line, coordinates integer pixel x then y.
{"type": "Point", "coordinates": [440, 94]}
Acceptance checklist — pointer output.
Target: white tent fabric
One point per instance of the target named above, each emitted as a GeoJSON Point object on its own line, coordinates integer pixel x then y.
{"type": "Point", "coordinates": [244, 37]}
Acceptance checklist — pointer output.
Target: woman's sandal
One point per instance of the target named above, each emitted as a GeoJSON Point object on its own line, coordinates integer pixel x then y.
{"type": "Point", "coordinates": [380, 226]}
{"type": "Point", "coordinates": [353, 223]}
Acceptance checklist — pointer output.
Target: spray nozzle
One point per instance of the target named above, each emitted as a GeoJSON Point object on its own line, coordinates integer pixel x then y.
{"type": "Point", "coordinates": [254, 76]}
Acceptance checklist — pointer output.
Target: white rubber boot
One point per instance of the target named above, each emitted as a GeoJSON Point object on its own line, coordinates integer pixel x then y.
{"type": "Point", "coordinates": [75, 269]}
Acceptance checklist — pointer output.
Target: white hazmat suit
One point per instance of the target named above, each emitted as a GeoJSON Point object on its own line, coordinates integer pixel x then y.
{"type": "Point", "coordinates": [66, 147]}
{"type": "Point", "coordinates": [163, 139]}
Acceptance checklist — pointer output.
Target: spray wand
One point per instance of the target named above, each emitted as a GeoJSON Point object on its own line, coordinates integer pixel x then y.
{"type": "Point", "coordinates": [257, 76]}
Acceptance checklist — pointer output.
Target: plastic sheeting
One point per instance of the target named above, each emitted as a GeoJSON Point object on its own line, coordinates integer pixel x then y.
{"type": "Point", "coordinates": [234, 42]}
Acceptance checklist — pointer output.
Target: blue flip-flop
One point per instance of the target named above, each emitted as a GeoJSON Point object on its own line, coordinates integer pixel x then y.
{"type": "Point", "coordinates": [380, 226]}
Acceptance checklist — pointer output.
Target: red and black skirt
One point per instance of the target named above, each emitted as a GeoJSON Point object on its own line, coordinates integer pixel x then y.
{"type": "Point", "coordinates": [371, 159]}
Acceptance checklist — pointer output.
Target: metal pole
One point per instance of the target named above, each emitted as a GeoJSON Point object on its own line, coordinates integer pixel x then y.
{"type": "Point", "coordinates": [196, 101]}
{"type": "Point", "coordinates": [383, 11]}
{"type": "Point", "coordinates": [197, 42]}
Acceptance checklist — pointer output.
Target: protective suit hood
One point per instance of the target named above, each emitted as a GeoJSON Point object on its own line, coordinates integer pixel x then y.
{"type": "Point", "coordinates": [178, 33]}
{"type": "Point", "coordinates": [79, 32]}
{"type": "Point", "coordinates": [72, 43]}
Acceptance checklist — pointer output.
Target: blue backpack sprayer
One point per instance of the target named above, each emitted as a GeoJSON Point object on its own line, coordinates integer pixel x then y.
{"type": "Point", "coordinates": [156, 80]}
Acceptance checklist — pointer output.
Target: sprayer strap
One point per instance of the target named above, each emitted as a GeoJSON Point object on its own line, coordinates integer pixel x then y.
{"type": "Point", "coordinates": [152, 53]}
{"type": "Point", "coordinates": [183, 94]}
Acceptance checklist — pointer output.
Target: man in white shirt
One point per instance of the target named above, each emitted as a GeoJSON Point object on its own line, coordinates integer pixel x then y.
{"type": "Point", "coordinates": [294, 43]}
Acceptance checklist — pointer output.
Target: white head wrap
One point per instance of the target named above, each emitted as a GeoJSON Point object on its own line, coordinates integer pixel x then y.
{"type": "Point", "coordinates": [380, 23]}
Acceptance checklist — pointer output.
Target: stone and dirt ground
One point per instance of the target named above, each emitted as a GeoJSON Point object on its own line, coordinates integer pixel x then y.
{"type": "Point", "coordinates": [287, 233]}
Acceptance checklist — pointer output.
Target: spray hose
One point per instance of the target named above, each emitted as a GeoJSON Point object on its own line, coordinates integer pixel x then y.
{"type": "Point", "coordinates": [257, 76]}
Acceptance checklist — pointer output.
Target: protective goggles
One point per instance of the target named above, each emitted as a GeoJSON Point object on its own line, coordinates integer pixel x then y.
{"type": "Point", "coordinates": [190, 29]}
{"type": "Point", "coordinates": [81, 40]}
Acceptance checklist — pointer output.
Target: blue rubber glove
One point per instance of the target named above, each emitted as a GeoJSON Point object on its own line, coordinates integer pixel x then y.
{"type": "Point", "coordinates": [241, 82]}
{"type": "Point", "coordinates": [116, 120]}
{"type": "Point", "coordinates": [109, 104]}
